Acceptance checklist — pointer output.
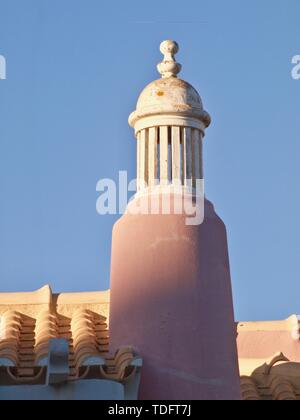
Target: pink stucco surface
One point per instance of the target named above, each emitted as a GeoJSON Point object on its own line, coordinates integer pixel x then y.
{"type": "Point", "coordinates": [266, 344]}
{"type": "Point", "coordinates": [171, 299]}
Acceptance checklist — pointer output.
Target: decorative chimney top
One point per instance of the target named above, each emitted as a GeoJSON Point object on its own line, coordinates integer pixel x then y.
{"type": "Point", "coordinates": [170, 100]}
{"type": "Point", "coordinates": [169, 123]}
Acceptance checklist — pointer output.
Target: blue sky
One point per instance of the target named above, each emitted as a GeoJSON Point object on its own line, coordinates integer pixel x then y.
{"type": "Point", "coordinates": [74, 71]}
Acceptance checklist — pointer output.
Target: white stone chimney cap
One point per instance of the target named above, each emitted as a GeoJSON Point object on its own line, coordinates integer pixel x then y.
{"type": "Point", "coordinates": [169, 100]}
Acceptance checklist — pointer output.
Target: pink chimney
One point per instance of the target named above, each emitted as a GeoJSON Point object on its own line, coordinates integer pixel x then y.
{"type": "Point", "coordinates": [171, 295]}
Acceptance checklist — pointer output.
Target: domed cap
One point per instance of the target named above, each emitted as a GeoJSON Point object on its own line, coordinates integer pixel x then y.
{"type": "Point", "coordinates": [170, 97]}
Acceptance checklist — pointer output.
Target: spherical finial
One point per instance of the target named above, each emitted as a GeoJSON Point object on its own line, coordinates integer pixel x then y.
{"type": "Point", "coordinates": [169, 46]}
{"type": "Point", "coordinates": [169, 67]}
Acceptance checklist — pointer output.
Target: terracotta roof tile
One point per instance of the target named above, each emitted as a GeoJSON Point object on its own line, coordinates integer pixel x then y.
{"type": "Point", "coordinates": [269, 352]}
{"type": "Point", "coordinates": [269, 359]}
{"type": "Point", "coordinates": [29, 320]}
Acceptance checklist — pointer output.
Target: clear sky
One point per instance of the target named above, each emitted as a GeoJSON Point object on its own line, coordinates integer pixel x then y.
{"type": "Point", "coordinates": [74, 71]}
